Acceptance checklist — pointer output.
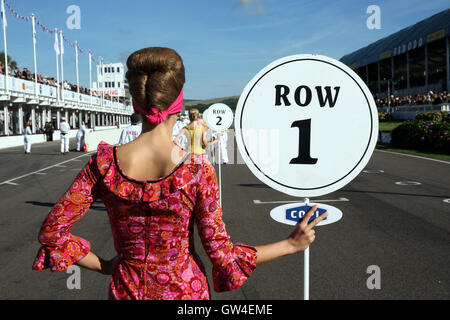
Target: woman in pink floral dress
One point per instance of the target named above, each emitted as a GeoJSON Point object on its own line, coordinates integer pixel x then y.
{"type": "Point", "coordinates": [154, 194]}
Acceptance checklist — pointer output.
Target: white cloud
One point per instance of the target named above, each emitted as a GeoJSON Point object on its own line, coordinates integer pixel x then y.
{"type": "Point", "coordinates": [252, 7]}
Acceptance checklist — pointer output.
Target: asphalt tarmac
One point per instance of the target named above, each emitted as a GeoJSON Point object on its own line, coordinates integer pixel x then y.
{"type": "Point", "coordinates": [396, 216]}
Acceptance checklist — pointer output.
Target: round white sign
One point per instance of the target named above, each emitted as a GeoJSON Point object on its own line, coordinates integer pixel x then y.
{"type": "Point", "coordinates": [218, 117]}
{"type": "Point", "coordinates": [306, 125]}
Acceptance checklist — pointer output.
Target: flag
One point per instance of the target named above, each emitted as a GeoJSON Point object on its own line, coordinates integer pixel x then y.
{"type": "Point", "coordinates": [62, 42]}
{"type": "Point", "coordinates": [56, 44]}
{"type": "Point", "coordinates": [5, 23]}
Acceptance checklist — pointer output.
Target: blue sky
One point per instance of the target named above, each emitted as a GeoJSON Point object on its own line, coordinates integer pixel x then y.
{"type": "Point", "coordinates": [223, 43]}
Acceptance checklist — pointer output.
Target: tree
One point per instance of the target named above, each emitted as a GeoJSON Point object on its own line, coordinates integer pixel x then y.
{"type": "Point", "coordinates": [11, 63]}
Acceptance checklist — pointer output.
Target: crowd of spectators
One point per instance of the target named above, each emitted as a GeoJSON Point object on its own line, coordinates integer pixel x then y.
{"type": "Point", "coordinates": [28, 75]}
{"type": "Point", "coordinates": [419, 99]}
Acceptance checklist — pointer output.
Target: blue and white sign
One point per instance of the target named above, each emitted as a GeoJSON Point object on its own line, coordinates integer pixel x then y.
{"type": "Point", "coordinates": [292, 213]}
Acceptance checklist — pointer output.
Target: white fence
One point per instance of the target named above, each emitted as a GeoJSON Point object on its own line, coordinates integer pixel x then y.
{"type": "Point", "coordinates": [45, 91]}
{"type": "Point", "coordinates": [409, 112]}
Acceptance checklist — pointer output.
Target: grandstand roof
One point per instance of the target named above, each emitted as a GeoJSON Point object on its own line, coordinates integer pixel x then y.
{"type": "Point", "coordinates": [427, 30]}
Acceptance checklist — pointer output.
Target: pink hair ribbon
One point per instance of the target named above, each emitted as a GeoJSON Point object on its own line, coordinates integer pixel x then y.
{"type": "Point", "coordinates": [155, 115]}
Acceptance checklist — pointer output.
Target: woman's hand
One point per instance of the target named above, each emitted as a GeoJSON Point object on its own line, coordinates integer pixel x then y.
{"type": "Point", "coordinates": [303, 234]}
{"type": "Point", "coordinates": [299, 240]}
{"type": "Point", "coordinates": [107, 267]}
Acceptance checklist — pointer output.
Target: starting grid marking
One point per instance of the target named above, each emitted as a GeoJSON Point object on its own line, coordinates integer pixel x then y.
{"type": "Point", "coordinates": [300, 200]}
{"type": "Point", "coordinates": [39, 172]}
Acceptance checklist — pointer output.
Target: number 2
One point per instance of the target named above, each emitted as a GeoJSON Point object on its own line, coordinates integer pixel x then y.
{"type": "Point", "coordinates": [219, 123]}
{"type": "Point", "coordinates": [304, 143]}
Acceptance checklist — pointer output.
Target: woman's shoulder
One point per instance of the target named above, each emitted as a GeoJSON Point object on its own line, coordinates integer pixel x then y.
{"type": "Point", "coordinates": [104, 149]}
{"type": "Point", "coordinates": [104, 157]}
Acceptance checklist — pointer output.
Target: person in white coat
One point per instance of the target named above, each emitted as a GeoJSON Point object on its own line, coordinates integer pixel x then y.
{"type": "Point", "coordinates": [64, 128]}
{"type": "Point", "coordinates": [81, 134]}
{"type": "Point", "coordinates": [222, 156]}
{"type": "Point", "coordinates": [27, 138]}
{"type": "Point", "coordinates": [132, 132]}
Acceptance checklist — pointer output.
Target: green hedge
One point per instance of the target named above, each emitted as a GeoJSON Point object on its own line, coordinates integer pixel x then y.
{"type": "Point", "coordinates": [384, 116]}
{"type": "Point", "coordinates": [429, 133]}
{"type": "Point", "coordinates": [436, 116]}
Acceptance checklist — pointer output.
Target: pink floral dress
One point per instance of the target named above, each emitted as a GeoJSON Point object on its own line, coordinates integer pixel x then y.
{"type": "Point", "coordinates": [152, 225]}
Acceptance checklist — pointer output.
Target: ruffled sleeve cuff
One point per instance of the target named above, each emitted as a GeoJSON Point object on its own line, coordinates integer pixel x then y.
{"type": "Point", "coordinates": [238, 268]}
{"type": "Point", "coordinates": [62, 257]}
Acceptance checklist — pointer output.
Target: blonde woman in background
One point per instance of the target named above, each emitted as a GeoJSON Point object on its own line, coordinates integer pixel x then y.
{"type": "Point", "coordinates": [196, 132]}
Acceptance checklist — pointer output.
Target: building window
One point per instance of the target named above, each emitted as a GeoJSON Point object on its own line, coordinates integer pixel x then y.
{"type": "Point", "coordinates": [399, 72]}
{"type": "Point", "coordinates": [118, 69]}
{"type": "Point", "coordinates": [118, 84]}
{"type": "Point", "coordinates": [373, 77]}
{"type": "Point", "coordinates": [385, 74]}
{"type": "Point", "coordinates": [417, 67]}
{"type": "Point", "coordinates": [436, 64]}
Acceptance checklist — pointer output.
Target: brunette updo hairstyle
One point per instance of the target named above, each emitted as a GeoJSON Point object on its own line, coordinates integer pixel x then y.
{"type": "Point", "coordinates": [155, 76]}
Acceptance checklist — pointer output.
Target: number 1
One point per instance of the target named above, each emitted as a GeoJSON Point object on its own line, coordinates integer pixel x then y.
{"type": "Point", "coordinates": [304, 143]}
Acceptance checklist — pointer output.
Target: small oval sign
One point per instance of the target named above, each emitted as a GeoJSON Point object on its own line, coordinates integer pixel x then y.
{"type": "Point", "coordinates": [292, 213]}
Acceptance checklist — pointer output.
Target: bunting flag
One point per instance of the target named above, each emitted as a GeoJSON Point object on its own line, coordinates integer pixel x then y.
{"type": "Point", "coordinates": [43, 28]}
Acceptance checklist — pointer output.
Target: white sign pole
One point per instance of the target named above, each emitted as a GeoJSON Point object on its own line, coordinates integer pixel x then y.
{"type": "Point", "coordinates": [306, 268]}
{"type": "Point", "coordinates": [220, 175]}
{"type": "Point", "coordinates": [218, 117]}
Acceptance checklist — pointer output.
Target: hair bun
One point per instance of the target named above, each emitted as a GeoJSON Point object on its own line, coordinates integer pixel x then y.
{"type": "Point", "coordinates": [155, 76]}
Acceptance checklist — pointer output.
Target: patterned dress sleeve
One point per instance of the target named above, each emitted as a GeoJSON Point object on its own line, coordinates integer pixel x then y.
{"type": "Point", "coordinates": [60, 249]}
{"type": "Point", "coordinates": [232, 263]}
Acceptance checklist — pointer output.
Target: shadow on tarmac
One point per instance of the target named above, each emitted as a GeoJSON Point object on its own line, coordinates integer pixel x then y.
{"type": "Point", "coordinates": [252, 185]}
{"type": "Point", "coordinates": [396, 193]}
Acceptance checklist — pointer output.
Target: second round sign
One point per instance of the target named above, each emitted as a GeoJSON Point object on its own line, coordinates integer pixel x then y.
{"type": "Point", "coordinates": [218, 117]}
{"type": "Point", "coordinates": [306, 125]}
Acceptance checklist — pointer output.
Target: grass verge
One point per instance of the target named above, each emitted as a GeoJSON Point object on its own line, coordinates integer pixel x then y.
{"type": "Point", "coordinates": [437, 156]}
{"type": "Point", "coordinates": [389, 125]}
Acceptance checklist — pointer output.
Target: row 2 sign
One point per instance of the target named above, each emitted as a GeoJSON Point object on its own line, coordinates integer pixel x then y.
{"type": "Point", "coordinates": [306, 125]}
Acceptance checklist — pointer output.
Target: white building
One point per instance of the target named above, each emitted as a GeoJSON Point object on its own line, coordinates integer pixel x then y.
{"type": "Point", "coordinates": [111, 80]}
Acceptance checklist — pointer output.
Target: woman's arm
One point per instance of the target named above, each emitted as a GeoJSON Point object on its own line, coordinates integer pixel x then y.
{"type": "Point", "coordinates": [300, 239]}
{"type": "Point", "coordinates": [92, 262]}
{"type": "Point", "coordinates": [205, 141]}
{"type": "Point", "coordinates": [179, 135]}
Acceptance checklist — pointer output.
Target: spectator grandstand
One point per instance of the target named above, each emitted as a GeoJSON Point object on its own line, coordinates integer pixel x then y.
{"type": "Point", "coordinates": [411, 64]}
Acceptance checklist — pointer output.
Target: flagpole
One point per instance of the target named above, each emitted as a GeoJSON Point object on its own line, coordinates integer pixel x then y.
{"type": "Point", "coordinates": [90, 78]}
{"type": "Point", "coordinates": [33, 22]}
{"type": "Point", "coordinates": [101, 73]}
{"type": "Point", "coordinates": [57, 65]}
{"type": "Point", "coordinates": [76, 66]}
{"type": "Point", "coordinates": [61, 50]}
{"type": "Point", "coordinates": [5, 47]}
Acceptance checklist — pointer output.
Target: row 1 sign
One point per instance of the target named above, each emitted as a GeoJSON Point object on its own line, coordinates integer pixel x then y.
{"type": "Point", "coordinates": [306, 125]}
